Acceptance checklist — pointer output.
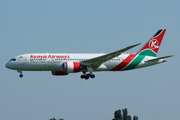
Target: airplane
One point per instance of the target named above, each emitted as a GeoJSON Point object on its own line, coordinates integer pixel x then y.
{"type": "Point", "coordinates": [61, 64]}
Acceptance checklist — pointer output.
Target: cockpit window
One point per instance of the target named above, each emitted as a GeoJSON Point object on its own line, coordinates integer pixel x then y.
{"type": "Point", "coordinates": [13, 59]}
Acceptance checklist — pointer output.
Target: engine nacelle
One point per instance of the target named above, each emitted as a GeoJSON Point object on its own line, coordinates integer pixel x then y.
{"type": "Point", "coordinates": [71, 67]}
{"type": "Point", "coordinates": [59, 73]}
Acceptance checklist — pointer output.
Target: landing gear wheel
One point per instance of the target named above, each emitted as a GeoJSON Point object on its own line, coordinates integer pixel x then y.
{"type": "Point", "coordinates": [89, 75]}
{"type": "Point", "coordinates": [21, 75]}
{"type": "Point", "coordinates": [86, 77]}
{"type": "Point", "coordinates": [82, 76]}
{"type": "Point", "coordinates": [92, 76]}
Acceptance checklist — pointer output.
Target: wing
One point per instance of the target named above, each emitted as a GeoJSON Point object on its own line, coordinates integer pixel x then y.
{"type": "Point", "coordinates": [94, 63]}
{"type": "Point", "coordinates": [159, 58]}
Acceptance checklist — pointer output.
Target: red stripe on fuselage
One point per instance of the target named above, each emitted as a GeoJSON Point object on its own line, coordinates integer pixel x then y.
{"type": "Point", "coordinates": [124, 63]}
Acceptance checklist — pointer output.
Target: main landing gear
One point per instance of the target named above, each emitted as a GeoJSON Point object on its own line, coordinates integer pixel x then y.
{"type": "Point", "coordinates": [87, 76]}
{"type": "Point", "coordinates": [21, 75]}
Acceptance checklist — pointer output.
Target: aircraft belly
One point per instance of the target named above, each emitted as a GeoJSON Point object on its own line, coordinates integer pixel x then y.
{"type": "Point", "coordinates": [39, 67]}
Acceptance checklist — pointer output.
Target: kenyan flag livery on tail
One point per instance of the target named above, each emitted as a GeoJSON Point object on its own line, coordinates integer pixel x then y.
{"type": "Point", "coordinates": [149, 49]}
{"type": "Point", "coordinates": [152, 46]}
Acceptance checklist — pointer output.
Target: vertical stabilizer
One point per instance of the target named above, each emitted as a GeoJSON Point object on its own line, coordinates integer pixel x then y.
{"type": "Point", "coordinates": [151, 48]}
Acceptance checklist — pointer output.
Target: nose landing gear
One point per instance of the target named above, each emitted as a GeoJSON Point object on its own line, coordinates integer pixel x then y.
{"type": "Point", "coordinates": [21, 75]}
{"type": "Point", "coordinates": [87, 76]}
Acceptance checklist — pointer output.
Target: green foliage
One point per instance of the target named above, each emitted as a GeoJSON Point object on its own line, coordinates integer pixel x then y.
{"type": "Point", "coordinates": [52, 119]}
{"type": "Point", "coordinates": [135, 118]}
{"type": "Point", "coordinates": [128, 117]}
{"type": "Point", "coordinates": [118, 115]}
{"type": "Point", "coordinates": [125, 112]}
{"type": "Point", "coordinates": [55, 119]}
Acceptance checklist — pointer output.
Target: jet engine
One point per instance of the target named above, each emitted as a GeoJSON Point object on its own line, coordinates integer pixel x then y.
{"type": "Point", "coordinates": [71, 67]}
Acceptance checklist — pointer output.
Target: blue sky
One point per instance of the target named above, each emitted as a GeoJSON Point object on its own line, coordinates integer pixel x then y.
{"type": "Point", "coordinates": [94, 26]}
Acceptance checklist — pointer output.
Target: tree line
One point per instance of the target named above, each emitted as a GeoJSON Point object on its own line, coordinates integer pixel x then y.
{"type": "Point", "coordinates": [118, 115]}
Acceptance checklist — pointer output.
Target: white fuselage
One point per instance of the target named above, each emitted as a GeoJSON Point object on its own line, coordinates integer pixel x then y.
{"type": "Point", "coordinates": [54, 61]}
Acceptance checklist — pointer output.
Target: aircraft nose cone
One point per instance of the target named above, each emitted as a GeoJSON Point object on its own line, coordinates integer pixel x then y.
{"type": "Point", "coordinates": [11, 65]}
{"type": "Point", "coordinates": [7, 65]}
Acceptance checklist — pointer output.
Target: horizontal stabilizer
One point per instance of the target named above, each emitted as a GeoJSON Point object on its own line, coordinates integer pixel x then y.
{"type": "Point", "coordinates": [159, 58]}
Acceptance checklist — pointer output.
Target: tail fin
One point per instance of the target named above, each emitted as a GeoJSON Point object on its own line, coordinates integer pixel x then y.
{"type": "Point", "coordinates": [152, 46]}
